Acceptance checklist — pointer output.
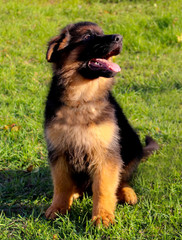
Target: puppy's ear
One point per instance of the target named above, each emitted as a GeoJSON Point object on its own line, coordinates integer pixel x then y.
{"type": "Point", "coordinates": [57, 44]}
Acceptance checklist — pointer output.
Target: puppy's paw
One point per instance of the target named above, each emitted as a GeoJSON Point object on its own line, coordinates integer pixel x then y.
{"type": "Point", "coordinates": [53, 210]}
{"type": "Point", "coordinates": [128, 195]}
{"type": "Point", "coordinates": [103, 217]}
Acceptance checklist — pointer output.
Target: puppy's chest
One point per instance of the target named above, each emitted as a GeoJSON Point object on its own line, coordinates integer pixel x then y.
{"type": "Point", "coordinates": [81, 128]}
{"type": "Point", "coordinates": [77, 116]}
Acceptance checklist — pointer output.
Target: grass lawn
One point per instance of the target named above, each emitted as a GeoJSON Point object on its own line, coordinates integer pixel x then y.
{"type": "Point", "coordinates": [149, 88]}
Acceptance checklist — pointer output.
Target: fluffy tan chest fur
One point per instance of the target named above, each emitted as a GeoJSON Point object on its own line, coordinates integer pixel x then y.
{"type": "Point", "coordinates": [78, 129]}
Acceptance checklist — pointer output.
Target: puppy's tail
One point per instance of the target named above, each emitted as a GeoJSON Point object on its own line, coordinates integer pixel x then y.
{"type": "Point", "coordinates": [151, 147]}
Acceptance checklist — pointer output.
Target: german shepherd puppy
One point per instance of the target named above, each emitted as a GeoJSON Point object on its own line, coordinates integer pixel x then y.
{"type": "Point", "coordinates": [90, 142]}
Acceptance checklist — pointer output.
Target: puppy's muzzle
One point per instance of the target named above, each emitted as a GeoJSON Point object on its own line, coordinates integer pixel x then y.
{"type": "Point", "coordinates": [116, 38]}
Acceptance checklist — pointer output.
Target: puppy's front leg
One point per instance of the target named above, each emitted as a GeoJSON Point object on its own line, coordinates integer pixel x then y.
{"type": "Point", "coordinates": [63, 189]}
{"type": "Point", "coordinates": [105, 183]}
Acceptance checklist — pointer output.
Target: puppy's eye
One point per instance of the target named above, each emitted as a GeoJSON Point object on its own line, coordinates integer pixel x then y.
{"type": "Point", "coordinates": [87, 37]}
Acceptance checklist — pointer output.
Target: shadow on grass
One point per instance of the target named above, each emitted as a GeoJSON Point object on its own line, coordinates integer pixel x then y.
{"type": "Point", "coordinates": [25, 192]}
{"type": "Point", "coordinates": [28, 194]}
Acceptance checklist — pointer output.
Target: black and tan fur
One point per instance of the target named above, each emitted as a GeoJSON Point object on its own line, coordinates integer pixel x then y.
{"type": "Point", "coordinates": [90, 142]}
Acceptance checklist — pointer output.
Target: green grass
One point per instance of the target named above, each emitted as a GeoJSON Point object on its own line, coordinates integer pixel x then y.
{"type": "Point", "coordinates": [149, 88]}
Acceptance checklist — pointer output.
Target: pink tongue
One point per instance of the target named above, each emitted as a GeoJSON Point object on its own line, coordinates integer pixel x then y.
{"type": "Point", "coordinates": [103, 63]}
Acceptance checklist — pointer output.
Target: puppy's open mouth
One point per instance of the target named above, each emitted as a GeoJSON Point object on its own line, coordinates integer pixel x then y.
{"type": "Point", "coordinates": [103, 64]}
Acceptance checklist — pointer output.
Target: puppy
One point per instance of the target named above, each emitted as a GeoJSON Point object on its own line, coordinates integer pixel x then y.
{"type": "Point", "coordinates": [90, 142]}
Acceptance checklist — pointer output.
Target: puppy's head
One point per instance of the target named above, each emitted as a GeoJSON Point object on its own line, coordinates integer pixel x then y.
{"type": "Point", "coordinates": [84, 48]}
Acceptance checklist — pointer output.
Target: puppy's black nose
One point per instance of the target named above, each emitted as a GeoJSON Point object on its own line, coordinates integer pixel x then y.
{"type": "Point", "coordinates": [117, 38]}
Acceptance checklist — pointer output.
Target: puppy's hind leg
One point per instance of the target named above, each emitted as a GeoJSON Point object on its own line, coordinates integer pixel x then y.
{"type": "Point", "coordinates": [126, 194]}
{"type": "Point", "coordinates": [63, 189]}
